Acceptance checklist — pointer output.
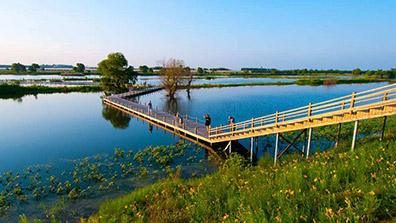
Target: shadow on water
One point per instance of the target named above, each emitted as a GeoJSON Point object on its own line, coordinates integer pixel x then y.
{"type": "Point", "coordinates": [117, 118]}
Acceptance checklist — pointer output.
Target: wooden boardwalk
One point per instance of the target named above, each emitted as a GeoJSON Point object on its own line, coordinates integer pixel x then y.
{"type": "Point", "coordinates": [137, 92]}
{"type": "Point", "coordinates": [192, 126]}
{"type": "Point", "coordinates": [374, 103]}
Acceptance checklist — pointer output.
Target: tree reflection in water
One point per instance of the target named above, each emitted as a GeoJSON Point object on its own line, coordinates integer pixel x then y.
{"type": "Point", "coordinates": [117, 118]}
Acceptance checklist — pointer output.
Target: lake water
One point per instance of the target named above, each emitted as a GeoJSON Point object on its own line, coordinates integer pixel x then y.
{"type": "Point", "coordinates": [220, 80]}
{"type": "Point", "coordinates": [154, 80]}
{"type": "Point", "coordinates": [38, 77]}
{"type": "Point", "coordinates": [49, 129]}
{"type": "Point", "coordinates": [151, 80]}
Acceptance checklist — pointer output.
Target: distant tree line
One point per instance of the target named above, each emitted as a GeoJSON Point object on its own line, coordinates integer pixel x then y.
{"type": "Point", "coordinates": [144, 69]}
{"type": "Point", "coordinates": [370, 73]}
{"type": "Point", "coordinates": [34, 67]}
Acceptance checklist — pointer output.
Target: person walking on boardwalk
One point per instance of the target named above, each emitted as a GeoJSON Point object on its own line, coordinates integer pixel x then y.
{"type": "Point", "coordinates": [150, 108]}
{"type": "Point", "coordinates": [208, 121]}
{"type": "Point", "coordinates": [231, 121]}
{"type": "Point", "coordinates": [179, 117]}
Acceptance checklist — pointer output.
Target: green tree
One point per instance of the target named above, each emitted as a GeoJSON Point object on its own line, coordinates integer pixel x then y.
{"type": "Point", "coordinates": [356, 71]}
{"type": "Point", "coordinates": [172, 75]}
{"type": "Point", "coordinates": [150, 70]}
{"type": "Point", "coordinates": [116, 74]}
{"type": "Point", "coordinates": [18, 68]}
{"type": "Point", "coordinates": [200, 70]}
{"type": "Point", "coordinates": [369, 73]}
{"type": "Point", "coordinates": [79, 68]}
{"type": "Point", "coordinates": [389, 74]}
{"type": "Point", "coordinates": [143, 69]}
{"type": "Point", "coordinates": [34, 67]}
{"type": "Point", "coordinates": [392, 73]}
{"type": "Point", "coordinates": [379, 74]}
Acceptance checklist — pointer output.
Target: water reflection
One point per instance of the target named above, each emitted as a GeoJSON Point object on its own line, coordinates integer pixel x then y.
{"type": "Point", "coordinates": [16, 97]}
{"type": "Point", "coordinates": [117, 118]}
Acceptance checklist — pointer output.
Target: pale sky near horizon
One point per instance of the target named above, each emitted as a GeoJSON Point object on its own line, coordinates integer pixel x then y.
{"type": "Point", "coordinates": [283, 34]}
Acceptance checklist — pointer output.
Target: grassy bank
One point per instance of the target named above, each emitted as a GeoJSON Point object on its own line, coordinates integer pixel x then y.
{"type": "Point", "coordinates": [309, 82]}
{"type": "Point", "coordinates": [337, 185]}
{"type": "Point", "coordinates": [7, 89]}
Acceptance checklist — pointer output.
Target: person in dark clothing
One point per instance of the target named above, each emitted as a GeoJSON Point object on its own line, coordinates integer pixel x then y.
{"type": "Point", "coordinates": [150, 108]}
{"type": "Point", "coordinates": [231, 121]}
{"type": "Point", "coordinates": [208, 121]}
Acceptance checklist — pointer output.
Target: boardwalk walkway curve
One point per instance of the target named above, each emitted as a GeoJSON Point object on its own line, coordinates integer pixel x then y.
{"type": "Point", "coordinates": [378, 102]}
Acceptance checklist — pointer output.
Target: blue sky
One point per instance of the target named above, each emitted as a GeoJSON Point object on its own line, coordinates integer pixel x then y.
{"type": "Point", "coordinates": [281, 34]}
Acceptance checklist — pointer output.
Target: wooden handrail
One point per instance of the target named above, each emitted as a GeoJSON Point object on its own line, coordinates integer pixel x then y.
{"type": "Point", "coordinates": [340, 103]}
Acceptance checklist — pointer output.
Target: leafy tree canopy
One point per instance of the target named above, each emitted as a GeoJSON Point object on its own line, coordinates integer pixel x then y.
{"type": "Point", "coordinates": [34, 67]}
{"type": "Point", "coordinates": [200, 70]}
{"type": "Point", "coordinates": [116, 74]}
{"type": "Point", "coordinates": [18, 68]}
{"type": "Point", "coordinates": [79, 68]}
{"type": "Point", "coordinates": [143, 68]}
{"type": "Point", "coordinates": [356, 71]}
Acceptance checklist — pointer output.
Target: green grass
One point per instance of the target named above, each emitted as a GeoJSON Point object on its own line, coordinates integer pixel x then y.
{"type": "Point", "coordinates": [307, 81]}
{"type": "Point", "coordinates": [336, 185]}
{"type": "Point", "coordinates": [7, 89]}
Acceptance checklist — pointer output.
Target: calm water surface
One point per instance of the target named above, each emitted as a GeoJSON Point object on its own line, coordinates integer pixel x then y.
{"type": "Point", "coordinates": [221, 80]}
{"type": "Point", "coordinates": [37, 77]}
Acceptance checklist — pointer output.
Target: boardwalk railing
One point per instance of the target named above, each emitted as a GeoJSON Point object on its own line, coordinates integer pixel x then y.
{"type": "Point", "coordinates": [350, 103]}
{"type": "Point", "coordinates": [137, 92]}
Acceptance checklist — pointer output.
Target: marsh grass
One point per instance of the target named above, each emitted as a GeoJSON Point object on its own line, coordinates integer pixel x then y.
{"type": "Point", "coordinates": [7, 89]}
{"type": "Point", "coordinates": [313, 81]}
{"type": "Point", "coordinates": [337, 185]}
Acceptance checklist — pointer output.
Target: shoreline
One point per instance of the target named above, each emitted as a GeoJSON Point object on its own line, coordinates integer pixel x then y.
{"type": "Point", "coordinates": [37, 89]}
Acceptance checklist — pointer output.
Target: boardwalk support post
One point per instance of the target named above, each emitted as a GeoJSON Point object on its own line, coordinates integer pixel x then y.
{"type": "Point", "coordinates": [303, 146]}
{"type": "Point", "coordinates": [338, 135]}
{"type": "Point", "coordinates": [251, 149]}
{"type": "Point", "coordinates": [353, 99]}
{"type": "Point", "coordinates": [354, 135]}
{"type": "Point", "coordinates": [384, 120]}
{"type": "Point", "coordinates": [383, 128]}
{"type": "Point", "coordinates": [309, 141]}
{"type": "Point", "coordinates": [276, 148]}
{"type": "Point", "coordinates": [291, 143]}
{"type": "Point", "coordinates": [228, 147]}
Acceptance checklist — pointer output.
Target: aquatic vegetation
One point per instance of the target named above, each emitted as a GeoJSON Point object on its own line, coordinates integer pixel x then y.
{"type": "Point", "coordinates": [90, 175]}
